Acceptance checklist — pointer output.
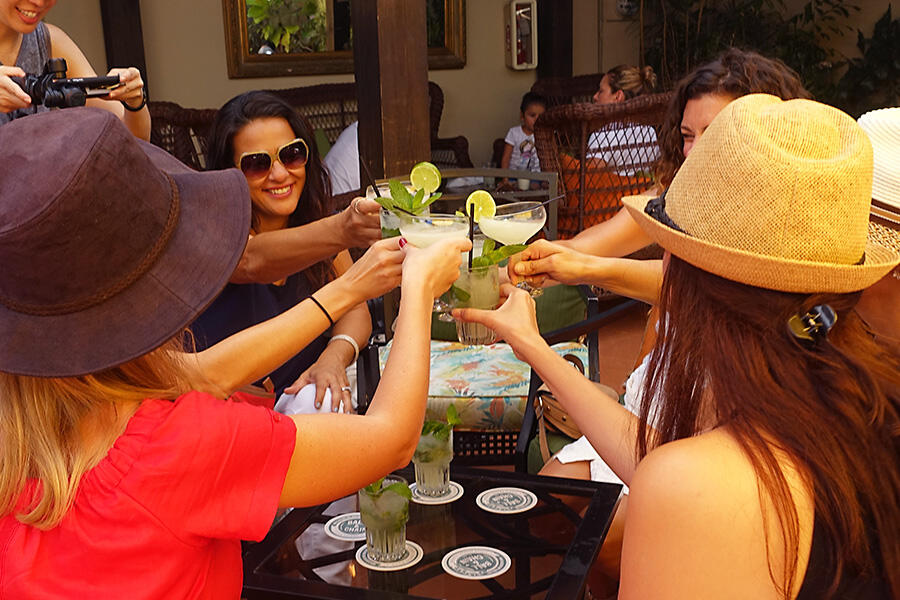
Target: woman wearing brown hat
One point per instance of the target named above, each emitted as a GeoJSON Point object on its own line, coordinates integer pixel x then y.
{"type": "Point", "coordinates": [771, 469]}
{"type": "Point", "coordinates": [120, 476]}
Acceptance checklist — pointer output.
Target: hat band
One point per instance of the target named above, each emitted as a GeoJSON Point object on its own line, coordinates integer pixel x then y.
{"type": "Point", "coordinates": [142, 267]}
{"type": "Point", "coordinates": [656, 208]}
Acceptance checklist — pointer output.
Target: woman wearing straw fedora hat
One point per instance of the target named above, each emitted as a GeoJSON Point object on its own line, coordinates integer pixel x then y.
{"type": "Point", "coordinates": [771, 468]}
{"type": "Point", "coordinates": [122, 472]}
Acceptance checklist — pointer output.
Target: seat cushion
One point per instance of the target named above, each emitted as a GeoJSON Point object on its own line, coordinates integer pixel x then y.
{"type": "Point", "coordinates": [488, 385]}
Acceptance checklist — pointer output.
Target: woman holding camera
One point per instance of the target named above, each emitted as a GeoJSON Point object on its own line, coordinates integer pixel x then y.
{"type": "Point", "coordinates": [26, 43]}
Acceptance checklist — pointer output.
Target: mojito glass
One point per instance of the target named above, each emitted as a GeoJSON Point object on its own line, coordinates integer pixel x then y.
{"type": "Point", "coordinates": [432, 462]}
{"type": "Point", "coordinates": [390, 222]}
{"type": "Point", "coordinates": [384, 514]}
{"type": "Point", "coordinates": [478, 287]}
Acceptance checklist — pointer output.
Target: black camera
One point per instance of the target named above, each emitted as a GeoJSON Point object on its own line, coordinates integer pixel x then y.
{"type": "Point", "coordinates": [53, 90]}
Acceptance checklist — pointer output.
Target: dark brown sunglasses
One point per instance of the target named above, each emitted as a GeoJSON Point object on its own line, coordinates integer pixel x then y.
{"type": "Point", "coordinates": [292, 155]}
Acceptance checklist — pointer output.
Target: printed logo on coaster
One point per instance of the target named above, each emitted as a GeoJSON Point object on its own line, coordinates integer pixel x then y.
{"type": "Point", "coordinates": [506, 500]}
{"type": "Point", "coordinates": [414, 554]}
{"type": "Point", "coordinates": [347, 528]}
{"type": "Point", "coordinates": [476, 562]}
{"type": "Point", "coordinates": [454, 493]}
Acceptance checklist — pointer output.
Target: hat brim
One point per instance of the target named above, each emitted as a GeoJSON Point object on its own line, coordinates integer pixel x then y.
{"type": "Point", "coordinates": [200, 257]}
{"type": "Point", "coordinates": [768, 272]}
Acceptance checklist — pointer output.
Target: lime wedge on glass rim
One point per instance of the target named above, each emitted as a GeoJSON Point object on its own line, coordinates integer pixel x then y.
{"type": "Point", "coordinates": [425, 176]}
{"type": "Point", "coordinates": [480, 204]}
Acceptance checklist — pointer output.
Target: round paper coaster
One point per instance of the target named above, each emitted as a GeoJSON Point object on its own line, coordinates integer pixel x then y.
{"type": "Point", "coordinates": [506, 500]}
{"type": "Point", "coordinates": [455, 493]}
{"type": "Point", "coordinates": [414, 554]}
{"type": "Point", "coordinates": [348, 528]}
{"type": "Point", "coordinates": [476, 562]}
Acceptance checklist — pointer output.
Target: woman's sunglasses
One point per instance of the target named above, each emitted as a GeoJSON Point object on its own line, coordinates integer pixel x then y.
{"type": "Point", "coordinates": [292, 155]}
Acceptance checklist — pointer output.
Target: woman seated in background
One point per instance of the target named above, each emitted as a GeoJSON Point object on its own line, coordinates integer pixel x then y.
{"type": "Point", "coordinates": [765, 462]}
{"type": "Point", "coordinates": [290, 192]}
{"type": "Point", "coordinates": [615, 143]}
{"type": "Point", "coordinates": [123, 473]}
{"type": "Point", "coordinates": [26, 43]}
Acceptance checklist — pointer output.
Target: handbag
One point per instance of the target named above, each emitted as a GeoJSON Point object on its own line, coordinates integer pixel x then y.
{"type": "Point", "coordinates": [550, 414]}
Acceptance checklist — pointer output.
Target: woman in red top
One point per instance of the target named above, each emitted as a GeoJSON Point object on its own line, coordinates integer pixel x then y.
{"type": "Point", "coordinates": [122, 472]}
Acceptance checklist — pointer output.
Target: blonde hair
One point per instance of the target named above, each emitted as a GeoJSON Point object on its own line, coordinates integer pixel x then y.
{"type": "Point", "coordinates": [633, 81]}
{"type": "Point", "coordinates": [42, 422]}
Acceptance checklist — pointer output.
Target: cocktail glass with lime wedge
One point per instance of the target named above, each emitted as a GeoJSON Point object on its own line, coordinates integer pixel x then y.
{"type": "Point", "coordinates": [515, 223]}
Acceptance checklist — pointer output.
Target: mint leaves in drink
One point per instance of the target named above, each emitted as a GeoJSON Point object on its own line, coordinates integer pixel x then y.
{"type": "Point", "coordinates": [375, 489]}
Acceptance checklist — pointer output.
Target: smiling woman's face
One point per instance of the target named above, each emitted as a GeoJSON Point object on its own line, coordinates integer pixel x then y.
{"type": "Point", "coordinates": [22, 16]}
{"type": "Point", "coordinates": [698, 114]}
{"type": "Point", "coordinates": [275, 195]}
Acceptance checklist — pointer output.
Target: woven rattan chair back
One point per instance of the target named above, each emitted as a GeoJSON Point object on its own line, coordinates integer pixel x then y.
{"type": "Point", "coordinates": [601, 153]}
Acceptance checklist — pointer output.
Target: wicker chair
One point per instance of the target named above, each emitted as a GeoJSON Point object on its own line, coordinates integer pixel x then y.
{"type": "Point", "coordinates": [329, 107]}
{"type": "Point", "coordinates": [601, 153]}
{"type": "Point", "coordinates": [568, 90]}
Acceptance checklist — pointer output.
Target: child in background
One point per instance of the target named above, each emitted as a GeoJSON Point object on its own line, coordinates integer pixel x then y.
{"type": "Point", "coordinates": [519, 153]}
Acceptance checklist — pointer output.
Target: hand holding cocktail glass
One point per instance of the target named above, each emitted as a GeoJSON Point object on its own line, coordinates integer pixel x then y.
{"type": "Point", "coordinates": [546, 263]}
{"type": "Point", "coordinates": [515, 322]}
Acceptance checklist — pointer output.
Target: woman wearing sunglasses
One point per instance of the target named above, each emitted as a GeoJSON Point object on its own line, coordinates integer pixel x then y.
{"type": "Point", "coordinates": [290, 195]}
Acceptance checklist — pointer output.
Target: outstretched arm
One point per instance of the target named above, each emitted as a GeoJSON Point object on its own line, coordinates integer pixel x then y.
{"type": "Point", "coordinates": [610, 427]}
{"type": "Point", "coordinates": [553, 261]}
{"type": "Point", "coordinates": [619, 236]}
{"type": "Point", "coordinates": [274, 255]}
{"type": "Point", "coordinates": [384, 439]}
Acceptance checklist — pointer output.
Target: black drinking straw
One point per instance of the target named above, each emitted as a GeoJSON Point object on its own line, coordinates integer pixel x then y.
{"type": "Point", "coordinates": [369, 175]}
{"type": "Point", "coordinates": [471, 238]}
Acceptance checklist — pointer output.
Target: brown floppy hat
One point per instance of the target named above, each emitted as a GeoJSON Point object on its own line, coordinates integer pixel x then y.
{"type": "Point", "coordinates": [775, 194]}
{"type": "Point", "coordinates": [108, 246]}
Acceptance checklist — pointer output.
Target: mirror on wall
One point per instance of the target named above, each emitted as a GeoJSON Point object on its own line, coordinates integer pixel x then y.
{"type": "Point", "coordinates": [271, 38]}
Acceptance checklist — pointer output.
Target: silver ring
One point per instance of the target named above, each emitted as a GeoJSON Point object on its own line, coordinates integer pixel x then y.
{"type": "Point", "coordinates": [356, 206]}
{"type": "Point", "coordinates": [346, 388]}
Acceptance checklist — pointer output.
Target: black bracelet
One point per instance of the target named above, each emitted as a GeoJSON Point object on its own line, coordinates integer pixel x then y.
{"type": "Point", "coordinates": [143, 102]}
{"type": "Point", "coordinates": [317, 303]}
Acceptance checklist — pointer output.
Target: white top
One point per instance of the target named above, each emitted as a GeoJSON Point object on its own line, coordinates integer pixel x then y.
{"type": "Point", "coordinates": [615, 145]}
{"type": "Point", "coordinates": [524, 154]}
{"type": "Point", "coordinates": [342, 161]}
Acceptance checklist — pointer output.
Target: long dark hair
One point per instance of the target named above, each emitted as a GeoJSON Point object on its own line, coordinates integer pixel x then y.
{"type": "Point", "coordinates": [315, 201]}
{"type": "Point", "coordinates": [734, 73]}
{"type": "Point", "coordinates": [834, 409]}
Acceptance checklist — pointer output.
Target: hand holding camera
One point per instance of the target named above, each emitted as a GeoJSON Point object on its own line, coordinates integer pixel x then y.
{"type": "Point", "coordinates": [52, 89]}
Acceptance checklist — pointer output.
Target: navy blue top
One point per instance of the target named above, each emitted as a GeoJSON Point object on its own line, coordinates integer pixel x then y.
{"type": "Point", "coordinates": [242, 305]}
{"type": "Point", "coordinates": [852, 586]}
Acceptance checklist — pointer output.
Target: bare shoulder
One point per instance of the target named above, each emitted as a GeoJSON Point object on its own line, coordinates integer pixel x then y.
{"type": "Point", "coordinates": [694, 526]}
{"type": "Point", "coordinates": [62, 46]}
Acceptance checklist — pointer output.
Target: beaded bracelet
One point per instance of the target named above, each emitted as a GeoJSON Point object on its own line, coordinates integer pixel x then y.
{"type": "Point", "coordinates": [350, 341]}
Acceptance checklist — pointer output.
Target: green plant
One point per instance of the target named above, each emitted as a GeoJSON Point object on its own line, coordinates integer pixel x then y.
{"type": "Point", "coordinates": [679, 35]}
{"type": "Point", "coordinates": [288, 25]}
{"type": "Point", "coordinates": [439, 429]}
{"type": "Point", "coordinates": [873, 80]}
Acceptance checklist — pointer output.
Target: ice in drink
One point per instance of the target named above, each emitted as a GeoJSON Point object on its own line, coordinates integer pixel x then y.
{"type": "Point", "coordinates": [384, 512]}
{"type": "Point", "coordinates": [476, 288]}
{"type": "Point", "coordinates": [432, 461]}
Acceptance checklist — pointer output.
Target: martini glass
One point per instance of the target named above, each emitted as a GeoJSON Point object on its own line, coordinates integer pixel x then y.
{"type": "Point", "coordinates": [515, 223]}
{"type": "Point", "coordinates": [424, 230]}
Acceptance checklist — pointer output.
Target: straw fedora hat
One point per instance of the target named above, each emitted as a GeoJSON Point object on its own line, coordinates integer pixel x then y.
{"type": "Point", "coordinates": [775, 194]}
{"type": "Point", "coordinates": [109, 246]}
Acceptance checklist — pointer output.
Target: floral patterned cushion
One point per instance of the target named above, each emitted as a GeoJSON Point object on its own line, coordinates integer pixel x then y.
{"type": "Point", "coordinates": [488, 385]}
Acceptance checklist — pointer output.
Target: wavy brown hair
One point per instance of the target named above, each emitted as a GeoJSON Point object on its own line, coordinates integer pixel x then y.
{"type": "Point", "coordinates": [42, 420]}
{"type": "Point", "coordinates": [833, 408]}
{"type": "Point", "coordinates": [734, 73]}
{"type": "Point", "coordinates": [315, 200]}
{"type": "Point", "coordinates": [633, 81]}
